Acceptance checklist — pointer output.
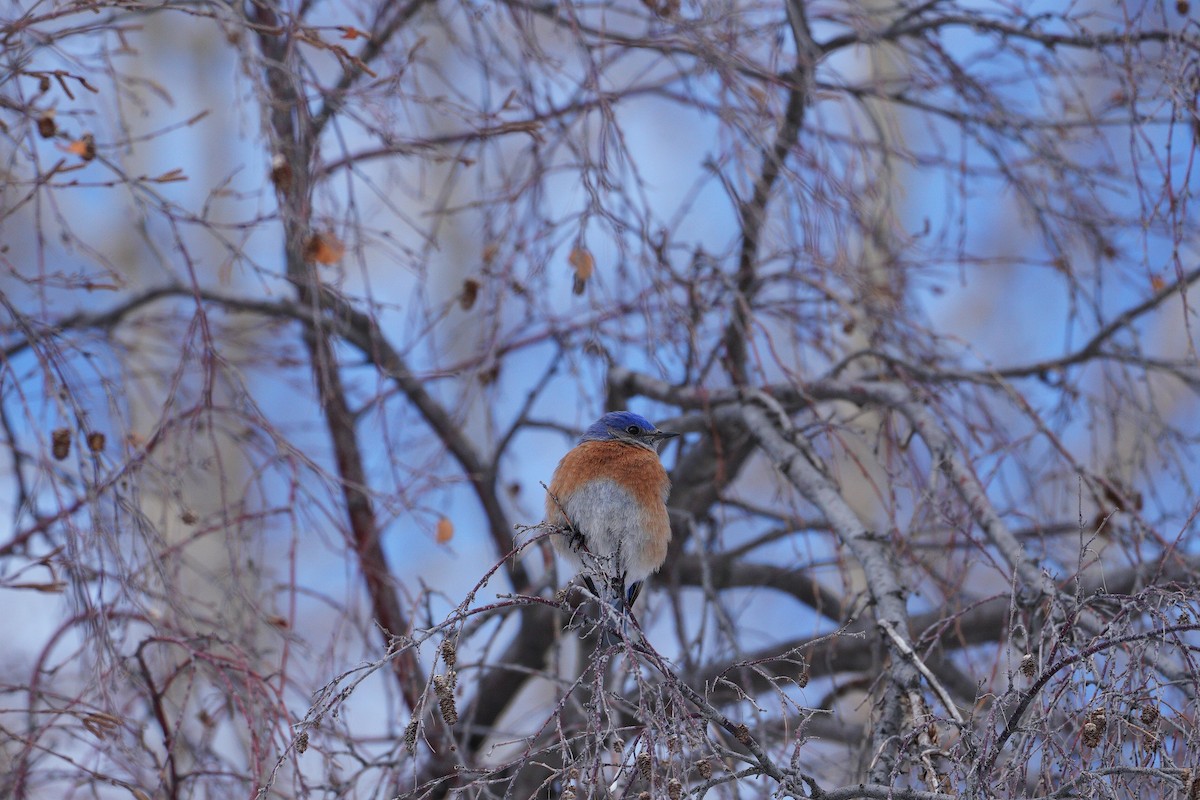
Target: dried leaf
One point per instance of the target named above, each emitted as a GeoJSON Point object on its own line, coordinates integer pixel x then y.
{"type": "Point", "coordinates": [49, 587]}
{"type": "Point", "coordinates": [666, 9]}
{"type": "Point", "coordinates": [351, 32]}
{"type": "Point", "coordinates": [1157, 283]}
{"type": "Point", "coordinates": [60, 443]}
{"type": "Point", "coordinates": [532, 127]}
{"type": "Point", "coordinates": [324, 248]}
{"type": "Point", "coordinates": [45, 125]}
{"type": "Point", "coordinates": [170, 176]}
{"type": "Point", "coordinates": [281, 172]}
{"type": "Point", "coordinates": [445, 530]}
{"type": "Point", "coordinates": [84, 147]}
{"type": "Point", "coordinates": [470, 292]}
{"type": "Point", "coordinates": [584, 266]}
{"type": "Point", "coordinates": [100, 724]}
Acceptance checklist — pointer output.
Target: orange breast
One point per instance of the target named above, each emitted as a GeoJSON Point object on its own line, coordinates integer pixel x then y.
{"type": "Point", "coordinates": [635, 468]}
{"type": "Point", "coordinates": [615, 495]}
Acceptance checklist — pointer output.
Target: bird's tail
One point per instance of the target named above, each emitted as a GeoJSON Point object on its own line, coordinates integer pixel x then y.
{"type": "Point", "coordinates": [615, 618]}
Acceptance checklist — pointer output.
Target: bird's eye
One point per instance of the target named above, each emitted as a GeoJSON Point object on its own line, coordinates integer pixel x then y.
{"type": "Point", "coordinates": [633, 430]}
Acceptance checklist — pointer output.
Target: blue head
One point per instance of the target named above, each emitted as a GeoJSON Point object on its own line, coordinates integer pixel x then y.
{"type": "Point", "coordinates": [625, 426]}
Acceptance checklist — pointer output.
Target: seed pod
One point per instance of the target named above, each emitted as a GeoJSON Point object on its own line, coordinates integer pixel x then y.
{"type": "Point", "coordinates": [448, 709]}
{"type": "Point", "coordinates": [1091, 734]}
{"type": "Point", "coordinates": [674, 789]}
{"type": "Point", "coordinates": [443, 686]}
{"type": "Point", "coordinates": [60, 443]}
{"type": "Point", "coordinates": [704, 767]}
{"type": "Point", "coordinates": [644, 764]}
{"type": "Point", "coordinates": [449, 651]}
{"type": "Point", "coordinates": [1028, 667]}
{"type": "Point", "coordinates": [410, 736]}
{"type": "Point", "coordinates": [95, 441]}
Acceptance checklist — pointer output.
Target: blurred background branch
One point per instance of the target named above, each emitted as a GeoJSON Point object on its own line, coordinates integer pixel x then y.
{"type": "Point", "coordinates": [301, 303]}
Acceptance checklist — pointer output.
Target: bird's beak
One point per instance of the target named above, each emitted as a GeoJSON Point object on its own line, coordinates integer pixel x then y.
{"type": "Point", "coordinates": [661, 436]}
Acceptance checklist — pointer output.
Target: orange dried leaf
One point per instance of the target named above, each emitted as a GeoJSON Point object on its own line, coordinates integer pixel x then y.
{"type": "Point", "coordinates": [584, 266]}
{"type": "Point", "coordinates": [1157, 283]}
{"type": "Point", "coordinates": [445, 530]}
{"type": "Point", "coordinates": [84, 147]}
{"type": "Point", "coordinates": [324, 248]}
{"type": "Point", "coordinates": [351, 32]}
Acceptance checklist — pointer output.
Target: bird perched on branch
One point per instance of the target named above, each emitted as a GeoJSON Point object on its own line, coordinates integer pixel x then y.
{"type": "Point", "coordinates": [610, 494]}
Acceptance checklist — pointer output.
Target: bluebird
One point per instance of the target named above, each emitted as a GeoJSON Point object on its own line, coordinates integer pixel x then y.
{"type": "Point", "coordinates": [610, 491]}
